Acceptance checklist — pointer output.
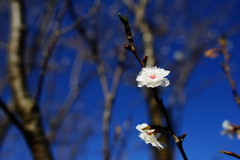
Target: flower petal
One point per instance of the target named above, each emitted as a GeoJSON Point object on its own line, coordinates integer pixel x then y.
{"type": "Point", "coordinates": [149, 137]}
{"type": "Point", "coordinates": [145, 77]}
{"type": "Point", "coordinates": [141, 126]}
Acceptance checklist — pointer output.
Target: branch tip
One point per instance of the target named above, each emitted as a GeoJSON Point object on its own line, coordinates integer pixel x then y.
{"type": "Point", "coordinates": [182, 136]}
{"type": "Point", "coordinates": [145, 58]}
{"type": "Point", "coordinates": [230, 154]}
{"type": "Point", "coordinates": [128, 47]}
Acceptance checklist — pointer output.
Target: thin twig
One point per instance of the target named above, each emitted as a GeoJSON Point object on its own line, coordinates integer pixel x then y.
{"type": "Point", "coordinates": [123, 139]}
{"type": "Point", "coordinates": [11, 116]}
{"type": "Point", "coordinates": [47, 54]}
{"type": "Point", "coordinates": [226, 69]}
{"type": "Point", "coordinates": [139, 9]}
{"type": "Point", "coordinates": [130, 38]}
{"type": "Point", "coordinates": [79, 20]}
{"type": "Point", "coordinates": [108, 92]}
{"type": "Point", "coordinates": [43, 29]}
{"type": "Point", "coordinates": [72, 96]}
{"type": "Point", "coordinates": [109, 104]}
{"type": "Point", "coordinates": [231, 154]}
{"type": "Point", "coordinates": [159, 101]}
{"type": "Point", "coordinates": [57, 33]}
{"type": "Point", "coordinates": [4, 127]}
{"type": "Point", "coordinates": [95, 53]}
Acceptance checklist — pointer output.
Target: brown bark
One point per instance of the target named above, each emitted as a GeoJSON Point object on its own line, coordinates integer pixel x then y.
{"type": "Point", "coordinates": [26, 107]}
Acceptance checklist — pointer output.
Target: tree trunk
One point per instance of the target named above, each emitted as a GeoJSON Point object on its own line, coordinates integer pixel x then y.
{"type": "Point", "coordinates": [26, 107]}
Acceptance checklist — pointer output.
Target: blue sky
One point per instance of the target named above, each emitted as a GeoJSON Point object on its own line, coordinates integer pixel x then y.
{"type": "Point", "coordinates": [206, 106]}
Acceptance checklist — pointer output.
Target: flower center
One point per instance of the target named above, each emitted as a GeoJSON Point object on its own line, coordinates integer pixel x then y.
{"type": "Point", "coordinates": [153, 76]}
{"type": "Point", "coordinates": [150, 133]}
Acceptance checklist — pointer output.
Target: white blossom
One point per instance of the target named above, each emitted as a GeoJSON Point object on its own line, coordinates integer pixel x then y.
{"type": "Point", "coordinates": [149, 136]}
{"type": "Point", "coordinates": [228, 129]}
{"type": "Point", "coordinates": [153, 77]}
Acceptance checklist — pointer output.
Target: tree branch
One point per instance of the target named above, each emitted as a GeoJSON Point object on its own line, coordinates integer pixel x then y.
{"type": "Point", "coordinates": [11, 116]}
{"type": "Point", "coordinates": [78, 21]}
{"type": "Point", "coordinates": [178, 141]}
{"type": "Point", "coordinates": [49, 51]}
{"type": "Point", "coordinates": [109, 104]}
{"type": "Point", "coordinates": [94, 50]}
{"type": "Point", "coordinates": [109, 93]}
{"type": "Point", "coordinates": [226, 69]}
{"type": "Point", "coordinates": [26, 106]}
{"type": "Point", "coordinates": [139, 11]}
{"type": "Point", "coordinates": [42, 30]}
{"type": "Point", "coordinates": [72, 96]}
{"type": "Point", "coordinates": [231, 154]}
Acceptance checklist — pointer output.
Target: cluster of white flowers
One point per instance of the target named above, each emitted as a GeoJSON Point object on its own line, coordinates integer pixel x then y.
{"type": "Point", "coordinates": [151, 77]}
{"type": "Point", "coordinates": [230, 130]}
{"type": "Point", "coordinates": [149, 136]}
